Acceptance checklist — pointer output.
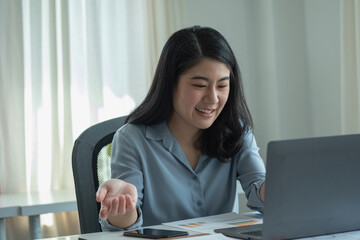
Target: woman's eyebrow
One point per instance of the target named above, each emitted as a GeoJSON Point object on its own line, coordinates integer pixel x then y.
{"type": "Point", "coordinates": [206, 79]}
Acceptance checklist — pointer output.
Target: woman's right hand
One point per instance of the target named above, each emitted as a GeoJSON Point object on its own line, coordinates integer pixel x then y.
{"type": "Point", "coordinates": [117, 197]}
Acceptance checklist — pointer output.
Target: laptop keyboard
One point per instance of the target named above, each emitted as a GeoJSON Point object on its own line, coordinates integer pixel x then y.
{"type": "Point", "coordinates": [257, 233]}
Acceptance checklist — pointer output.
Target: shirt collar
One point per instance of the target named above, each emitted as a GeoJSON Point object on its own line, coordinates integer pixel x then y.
{"type": "Point", "coordinates": [158, 131]}
{"type": "Point", "coordinates": [161, 132]}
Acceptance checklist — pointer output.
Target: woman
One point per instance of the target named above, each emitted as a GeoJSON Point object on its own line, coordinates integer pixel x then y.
{"type": "Point", "coordinates": [186, 144]}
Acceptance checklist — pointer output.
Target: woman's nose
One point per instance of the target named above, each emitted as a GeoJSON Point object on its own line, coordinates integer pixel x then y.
{"type": "Point", "coordinates": [211, 96]}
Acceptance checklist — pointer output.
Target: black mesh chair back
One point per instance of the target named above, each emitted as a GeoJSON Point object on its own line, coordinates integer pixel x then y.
{"type": "Point", "coordinates": [91, 167]}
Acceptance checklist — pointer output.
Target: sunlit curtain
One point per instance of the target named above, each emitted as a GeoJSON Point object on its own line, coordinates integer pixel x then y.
{"type": "Point", "coordinates": [66, 65]}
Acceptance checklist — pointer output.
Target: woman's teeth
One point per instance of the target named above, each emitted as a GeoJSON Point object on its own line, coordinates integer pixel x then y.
{"type": "Point", "coordinates": [204, 110]}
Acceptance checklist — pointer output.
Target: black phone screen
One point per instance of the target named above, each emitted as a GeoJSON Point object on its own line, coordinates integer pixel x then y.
{"type": "Point", "coordinates": [154, 233]}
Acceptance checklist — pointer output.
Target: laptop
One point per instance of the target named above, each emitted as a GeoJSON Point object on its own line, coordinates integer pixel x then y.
{"type": "Point", "coordinates": [312, 188]}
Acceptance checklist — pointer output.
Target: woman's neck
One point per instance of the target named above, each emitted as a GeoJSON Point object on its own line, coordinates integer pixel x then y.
{"type": "Point", "coordinates": [186, 135]}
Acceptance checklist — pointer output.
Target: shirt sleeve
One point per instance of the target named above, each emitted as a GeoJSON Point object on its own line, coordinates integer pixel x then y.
{"type": "Point", "coordinates": [251, 172]}
{"type": "Point", "coordinates": [125, 165]}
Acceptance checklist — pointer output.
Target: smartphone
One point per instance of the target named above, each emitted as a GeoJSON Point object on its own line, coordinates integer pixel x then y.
{"type": "Point", "coordinates": [154, 233]}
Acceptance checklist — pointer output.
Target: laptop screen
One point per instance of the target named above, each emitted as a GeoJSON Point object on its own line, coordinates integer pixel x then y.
{"type": "Point", "coordinates": [312, 187]}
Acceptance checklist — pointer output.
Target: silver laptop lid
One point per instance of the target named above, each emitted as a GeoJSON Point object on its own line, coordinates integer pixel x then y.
{"type": "Point", "coordinates": [312, 187]}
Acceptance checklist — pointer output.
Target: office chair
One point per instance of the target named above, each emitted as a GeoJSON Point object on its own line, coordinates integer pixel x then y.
{"type": "Point", "coordinates": [91, 167]}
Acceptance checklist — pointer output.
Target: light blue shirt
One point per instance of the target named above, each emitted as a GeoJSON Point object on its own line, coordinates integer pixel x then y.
{"type": "Point", "coordinates": [168, 188]}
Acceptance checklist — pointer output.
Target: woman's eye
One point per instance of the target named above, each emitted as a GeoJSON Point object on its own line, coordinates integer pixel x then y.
{"type": "Point", "coordinates": [223, 86]}
{"type": "Point", "coordinates": [199, 85]}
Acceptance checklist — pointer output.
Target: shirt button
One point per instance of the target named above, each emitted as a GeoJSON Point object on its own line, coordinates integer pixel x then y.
{"type": "Point", "coordinates": [199, 203]}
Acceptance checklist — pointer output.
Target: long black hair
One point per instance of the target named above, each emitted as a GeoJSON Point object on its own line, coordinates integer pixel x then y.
{"type": "Point", "coordinates": [184, 49]}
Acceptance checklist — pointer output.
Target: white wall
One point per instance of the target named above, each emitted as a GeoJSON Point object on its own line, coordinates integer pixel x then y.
{"type": "Point", "coordinates": [323, 50]}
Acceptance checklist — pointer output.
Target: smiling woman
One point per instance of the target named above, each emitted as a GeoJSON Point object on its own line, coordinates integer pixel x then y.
{"type": "Point", "coordinates": [193, 148]}
{"type": "Point", "coordinates": [199, 97]}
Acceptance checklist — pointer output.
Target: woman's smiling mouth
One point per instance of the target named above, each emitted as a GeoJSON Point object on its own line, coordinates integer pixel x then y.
{"type": "Point", "coordinates": [206, 111]}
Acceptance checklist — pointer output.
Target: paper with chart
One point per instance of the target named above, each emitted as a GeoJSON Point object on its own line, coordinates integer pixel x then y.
{"type": "Point", "coordinates": [209, 224]}
{"type": "Point", "coordinates": [217, 236]}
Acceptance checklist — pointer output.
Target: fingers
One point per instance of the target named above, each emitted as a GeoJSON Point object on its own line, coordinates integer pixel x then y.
{"type": "Point", "coordinates": [104, 212]}
{"type": "Point", "coordinates": [103, 191]}
{"type": "Point", "coordinates": [130, 203]}
{"type": "Point", "coordinates": [116, 206]}
{"type": "Point", "coordinates": [107, 206]}
{"type": "Point", "coordinates": [121, 210]}
{"type": "Point", "coordinates": [117, 198]}
{"type": "Point", "coordinates": [100, 194]}
{"type": "Point", "coordinates": [106, 188]}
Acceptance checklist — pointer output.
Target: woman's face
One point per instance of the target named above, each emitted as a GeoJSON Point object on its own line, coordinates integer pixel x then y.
{"type": "Point", "coordinates": [200, 95]}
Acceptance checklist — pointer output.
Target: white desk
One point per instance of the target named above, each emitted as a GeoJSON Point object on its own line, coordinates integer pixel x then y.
{"type": "Point", "coordinates": [33, 205]}
{"type": "Point", "coordinates": [8, 208]}
{"type": "Point", "coordinates": [118, 235]}
{"type": "Point", "coordinates": [110, 235]}
{"type": "Point", "coordinates": [207, 227]}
